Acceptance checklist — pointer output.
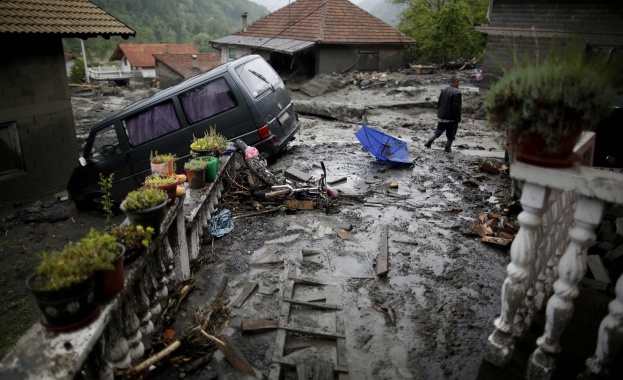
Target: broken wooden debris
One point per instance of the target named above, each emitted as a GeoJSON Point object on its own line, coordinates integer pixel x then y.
{"type": "Point", "coordinates": [494, 228]}
{"type": "Point", "coordinates": [614, 254]}
{"type": "Point", "coordinates": [387, 311]}
{"type": "Point", "coordinates": [337, 180]}
{"type": "Point", "coordinates": [597, 268]}
{"type": "Point", "coordinates": [306, 281]}
{"type": "Point", "coordinates": [382, 259]}
{"type": "Point", "coordinates": [268, 264]}
{"type": "Point", "coordinates": [311, 331]}
{"type": "Point", "coordinates": [304, 205]}
{"type": "Point", "coordinates": [320, 306]}
{"type": "Point", "coordinates": [297, 175]}
{"type": "Point", "coordinates": [321, 299]}
{"type": "Point", "coordinates": [489, 167]}
{"type": "Point", "coordinates": [269, 211]}
{"type": "Point", "coordinates": [175, 300]}
{"type": "Point", "coordinates": [314, 368]}
{"type": "Point", "coordinates": [294, 345]}
{"type": "Point", "coordinates": [233, 355]}
{"type": "Point", "coordinates": [246, 292]}
{"type": "Point", "coordinates": [344, 235]}
{"type": "Point", "coordinates": [393, 185]}
{"type": "Point", "coordinates": [410, 242]}
{"type": "Point", "coordinates": [259, 324]}
{"type": "Point", "coordinates": [497, 241]}
{"type": "Point", "coordinates": [594, 284]}
{"type": "Point", "coordinates": [310, 252]}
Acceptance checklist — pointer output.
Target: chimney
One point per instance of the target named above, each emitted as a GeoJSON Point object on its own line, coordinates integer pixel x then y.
{"type": "Point", "coordinates": [194, 57]}
{"type": "Point", "coordinates": [244, 22]}
{"type": "Point", "coordinates": [166, 49]}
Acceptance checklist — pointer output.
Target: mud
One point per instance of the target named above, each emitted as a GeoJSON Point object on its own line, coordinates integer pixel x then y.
{"type": "Point", "coordinates": [443, 284]}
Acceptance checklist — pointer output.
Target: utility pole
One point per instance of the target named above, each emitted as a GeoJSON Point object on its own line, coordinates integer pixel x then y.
{"type": "Point", "coordinates": [84, 59]}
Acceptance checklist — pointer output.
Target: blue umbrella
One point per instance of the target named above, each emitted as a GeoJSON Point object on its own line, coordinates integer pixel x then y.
{"type": "Point", "coordinates": [383, 146]}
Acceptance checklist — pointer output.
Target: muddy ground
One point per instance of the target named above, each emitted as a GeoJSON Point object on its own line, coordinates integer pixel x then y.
{"type": "Point", "coordinates": [443, 284]}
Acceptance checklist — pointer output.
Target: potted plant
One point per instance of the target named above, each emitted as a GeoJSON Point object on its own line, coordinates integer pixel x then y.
{"type": "Point", "coordinates": [65, 282]}
{"type": "Point", "coordinates": [145, 207]}
{"type": "Point", "coordinates": [167, 183]}
{"type": "Point", "coordinates": [196, 174]}
{"type": "Point", "coordinates": [134, 238]}
{"type": "Point", "coordinates": [545, 107]}
{"type": "Point", "coordinates": [162, 163]}
{"type": "Point", "coordinates": [211, 144]}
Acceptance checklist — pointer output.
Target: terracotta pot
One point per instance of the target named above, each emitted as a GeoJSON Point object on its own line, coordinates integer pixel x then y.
{"type": "Point", "coordinates": [533, 149]}
{"type": "Point", "coordinates": [170, 189]}
{"type": "Point", "coordinates": [196, 179]}
{"type": "Point", "coordinates": [167, 168]}
{"type": "Point", "coordinates": [110, 282]}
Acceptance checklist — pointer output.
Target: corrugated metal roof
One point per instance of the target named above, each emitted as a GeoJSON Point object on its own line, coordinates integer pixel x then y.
{"type": "Point", "coordinates": [326, 21]}
{"type": "Point", "coordinates": [142, 55]}
{"type": "Point", "coordinates": [284, 45]}
{"type": "Point", "coordinates": [66, 17]}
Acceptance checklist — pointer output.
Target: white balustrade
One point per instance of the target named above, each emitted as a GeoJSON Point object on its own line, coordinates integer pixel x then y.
{"type": "Point", "coordinates": [561, 209]}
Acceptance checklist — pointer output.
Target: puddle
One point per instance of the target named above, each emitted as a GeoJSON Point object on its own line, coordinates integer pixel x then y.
{"type": "Point", "coordinates": [351, 264]}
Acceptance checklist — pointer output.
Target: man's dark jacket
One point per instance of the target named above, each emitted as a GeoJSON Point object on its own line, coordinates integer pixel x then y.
{"type": "Point", "coordinates": [449, 104]}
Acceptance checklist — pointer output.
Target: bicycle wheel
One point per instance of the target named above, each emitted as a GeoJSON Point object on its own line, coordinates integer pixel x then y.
{"type": "Point", "coordinates": [258, 168]}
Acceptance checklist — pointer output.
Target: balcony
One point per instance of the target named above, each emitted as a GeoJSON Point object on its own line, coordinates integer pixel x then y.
{"type": "Point", "coordinates": [112, 73]}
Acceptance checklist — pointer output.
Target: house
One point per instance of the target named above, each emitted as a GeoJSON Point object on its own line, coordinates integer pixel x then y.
{"type": "Point", "coordinates": [38, 148]}
{"type": "Point", "coordinates": [172, 69]}
{"type": "Point", "coordinates": [141, 56]}
{"type": "Point", "coordinates": [318, 37]}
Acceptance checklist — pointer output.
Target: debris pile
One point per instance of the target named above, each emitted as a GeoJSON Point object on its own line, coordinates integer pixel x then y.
{"type": "Point", "coordinates": [499, 229]}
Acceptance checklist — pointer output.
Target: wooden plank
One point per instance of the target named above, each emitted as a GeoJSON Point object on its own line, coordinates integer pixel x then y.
{"type": "Point", "coordinates": [342, 358]}
{"type": "Point", "coordinates": [594, 284]}
{"type": "Point", "coordinates": [313, 305]}
{"type": "Point", "coordinates": [259, 324]}
{"type": "Point", "coordinates": [311, 252]}
{"type": "Point", "coordinates": [505, 235]}
{"type": "Point", "coordinates": [597, 268]}
{"type": "Point", "coordinates": [477, 228]}
{"type": "Point", "coordinates": [247, 290]}
{"type": "Point", "coordinates": [322, 299]}
{"type": "Point", "coordinates": [268, 264]}
{"type": "Point", "coordinates": [275, 371]}
{"type": "Point", "coordinates": [289, 362]}
{"type": "Point", "coordinates": [498, 241]}
{"type": "Point", "coordinates": [382, 259]}
{"type": "Point", "coordinates": [304, 205]}
{"type": "Point", "coordinates": [614, 254]}
{"type": "Point", "coordinates": [323, 370]}
{"type": "Point", "coordinates": [295, 345]}
{"type": "Point", "coordinates": [306, 281]}
{"type": "Point", "coordinates": [310, 331]}
{"type": "Point", "coordinates": [234, 356]}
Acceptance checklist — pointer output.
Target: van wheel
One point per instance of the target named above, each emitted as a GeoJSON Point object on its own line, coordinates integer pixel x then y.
{"type": "Point", "coordinates": [86, 204]}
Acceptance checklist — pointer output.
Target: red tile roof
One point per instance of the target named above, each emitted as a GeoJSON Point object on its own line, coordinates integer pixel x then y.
{"type": "Point", "coordinates": [325, 21]}
{"type": "Point", "coordinates": [142, 55]}
{"type": "Point", "coordinates": [79, 18]}
{"type": "Point", "coordinates": [183, 63]}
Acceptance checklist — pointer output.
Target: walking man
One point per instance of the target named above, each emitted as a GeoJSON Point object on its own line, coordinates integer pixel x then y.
{"type": "Point", "coordinates": [448, 113]}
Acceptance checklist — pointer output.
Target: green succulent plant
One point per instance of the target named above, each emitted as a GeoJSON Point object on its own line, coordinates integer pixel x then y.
{"type": "Point", "coordinates": [158, 179]}
{"type": "Point", "coordinates": [565, 92]}
{"type": "Point", "coordinates": [156, 158]}
{"type": "Point", "coordinates": [133, 237]}
{"type": "Point", "coordinates": [195, 165]}
{"type": "Point", "coordinates": [144, 198]}
{"type": "Point", "coordinates": [211, 141]}
{"type": "Point", "coordinates": [76, 261]}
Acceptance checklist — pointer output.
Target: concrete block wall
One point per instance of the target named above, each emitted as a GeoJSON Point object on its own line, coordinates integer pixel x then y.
{"type": "Point", "coordinates": [35, 96]}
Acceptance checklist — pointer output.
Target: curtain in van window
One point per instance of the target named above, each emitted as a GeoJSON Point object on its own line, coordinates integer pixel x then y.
{"type": "Point", "coordinates": [208, 100]}
{"type": "Point", "coordinates": [152, 123]}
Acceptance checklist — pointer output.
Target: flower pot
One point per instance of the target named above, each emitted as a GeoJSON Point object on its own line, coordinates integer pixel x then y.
{"type": "Point", "coordinates": [211, 166]}
{"type": "Point", "coordinates": [170, 189]}
{"type": "Point", "coordinates": [166, 168]}
{"type": "Point", "coordinates": [533, 149]}
{"type": "Point", "coordinates": [151, 217]}
{"type": "Point", "coordinates": [109, 282]}
{"type": "Point", "coordinates": [196, 179]}
{"type": "Point", "coordinates": [71, 306]}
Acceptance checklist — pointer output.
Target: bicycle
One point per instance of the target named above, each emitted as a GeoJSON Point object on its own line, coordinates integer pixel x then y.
{"type": "Point", "coordinates": [256, 163]}
{"type": "Point", "coordinates": [320, 193]}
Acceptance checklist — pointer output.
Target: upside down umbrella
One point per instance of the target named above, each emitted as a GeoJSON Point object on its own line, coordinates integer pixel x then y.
{"type": "Point", "coordinates": [384, 147]}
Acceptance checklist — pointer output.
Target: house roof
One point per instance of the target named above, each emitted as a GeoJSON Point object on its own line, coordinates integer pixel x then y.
{"type": "Point", "coordinates": [183, 64]}
{"type": "Point", "coordinates": [284, 45]}
{"type": "Point", "coordinates": [142, 55]}
{"type": "Point", "coordinates": [69, 18]}
{"type": "Point", "coordinates": [325, 21]}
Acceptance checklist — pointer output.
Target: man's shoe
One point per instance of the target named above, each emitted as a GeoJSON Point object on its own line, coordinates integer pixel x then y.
{"type": "Point", "coordinates": [430, 142]}
{"type": "Point", "coordinates": [447, 149]}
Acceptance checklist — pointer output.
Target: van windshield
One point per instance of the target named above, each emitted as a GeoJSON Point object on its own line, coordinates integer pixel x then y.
{"type": "Point", "coordinates": [258, 76]}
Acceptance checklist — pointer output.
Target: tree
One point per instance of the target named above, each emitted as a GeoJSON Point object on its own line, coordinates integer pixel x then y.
{"type": "Point", "coordinates": [443, 29]}
{"type": "Point", "coordinates": [76, 72]}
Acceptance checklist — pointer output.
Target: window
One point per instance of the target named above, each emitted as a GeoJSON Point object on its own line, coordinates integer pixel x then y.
{"type": "Point", "coordinates": [368, 60]}
{"type": "Point", "coordinates": [105, 143]}
{"type": "Point", "coordinates": [152, 123]}
{"type": "Point", "coordinates": [258, 76]}
{"type": "Point", "coordinates": [11, 160]}
{"type": "Point", "coordinates": [208, 100]}
{"type": "Point", "coordinates": [232, 52]}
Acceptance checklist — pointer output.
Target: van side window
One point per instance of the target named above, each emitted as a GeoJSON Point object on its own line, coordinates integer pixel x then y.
{"type": "Point", "coordinates": [151, 123]}
{"type": "Point", "coordinates": [208, 100]}
{"type": "Point", "coordinates": [105, 143]}
{"type": "Point", "coordinates": [258, 77]}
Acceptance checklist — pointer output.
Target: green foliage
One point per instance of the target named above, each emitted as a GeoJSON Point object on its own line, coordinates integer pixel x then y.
{"type": "Point", "coordinates": [144, 198]}
{"type": "Point", "coordinates": [76, 72]}
{"type": "Point", "coordinates": [194, 165]}
{"type": "Point", "coordinates": [443, 29]}
{"type": "Point", "coordinates": [211, 141]}
{"type": "Point", "coordinates": [162, 21]}
{"type": "Point", "coordinates": [77, 261]}
{"type": "Point", "coordinates": [158, 179]}
{"type": "Point", "coordinates": [133, 237]}
{"type": "Point", "coordinates": [156, 158]}
{"type": "Point", "coordinates": [107, 202]}
{"type": "Point", "coordinates": [562, 93]}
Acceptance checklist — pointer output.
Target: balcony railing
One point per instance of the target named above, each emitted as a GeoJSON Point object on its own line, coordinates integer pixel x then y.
{"type": "Point", "coordinates": [117, 338]}
{"type": "Point", "coordinates": [112, 73]}
{"type": "Point", "coordinates": [561, 209]}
